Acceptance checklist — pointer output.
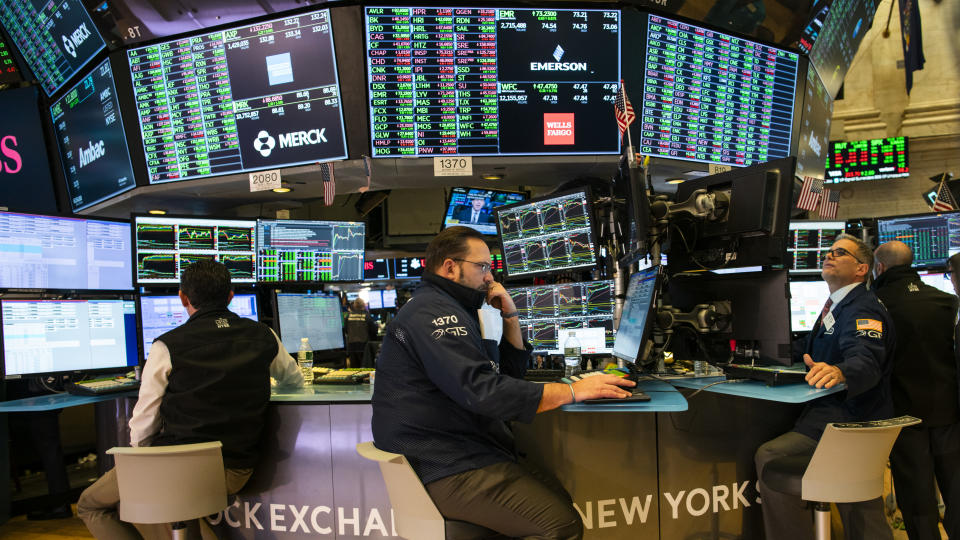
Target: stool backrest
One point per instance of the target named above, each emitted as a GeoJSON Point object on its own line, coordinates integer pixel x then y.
{"type": "Point", "coordinates": [415, 514]}
{"type": "Point", "coordinates": [850, 460]}
{"type": "Point", "coordinates": [166, 484]}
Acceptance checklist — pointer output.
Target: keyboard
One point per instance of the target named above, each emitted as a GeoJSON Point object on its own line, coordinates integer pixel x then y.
{"type": "Point", "coordinates": [543, 375]}
{"type": "Point", "coordinates": [97, 387]}
{"type": "Point", "coordinates": [635, 395]}
{"type": "Point", "coordinates": [771, 376]}
{"type": "Point", "coordinates": [344, 376]}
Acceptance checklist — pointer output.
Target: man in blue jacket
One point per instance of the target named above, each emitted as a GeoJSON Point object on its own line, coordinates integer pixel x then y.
{"type": "Point", "coordinates": [851, 343]}
{"type": "Point", "coordinates": [444, 394]}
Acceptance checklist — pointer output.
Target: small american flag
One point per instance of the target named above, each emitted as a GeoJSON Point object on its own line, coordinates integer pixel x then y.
{"type": "Point", "coordinates": [944, 201]}
{"type": "Point", "coordinates": [368, 172]}
{"type": "Point", "coordinates": [329, 184]}
{"type": "Point", "coordinates": [624, 110]}
{"type": "Point", "coordinates": [831, 199]}
{"type": "Point", "coordinates": [810, 193]}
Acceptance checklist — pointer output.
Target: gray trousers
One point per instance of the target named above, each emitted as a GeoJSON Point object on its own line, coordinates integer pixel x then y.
{"type": "Point", "coordinates": [787, 518]}
{"type": "Point", "coordinates": [98, 504]}
{"type": "Point", "coordinates": [511, 499]}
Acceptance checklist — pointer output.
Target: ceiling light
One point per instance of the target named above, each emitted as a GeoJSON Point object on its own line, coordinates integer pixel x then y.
{"type": "Point", "coordinates": [157, 212]}
{"type": "Point", "coordinates": [492, 176]}
{"type": "Point", "coordinates": [675, 180]}
{"type": "Point", "coordinates": [281, 190]}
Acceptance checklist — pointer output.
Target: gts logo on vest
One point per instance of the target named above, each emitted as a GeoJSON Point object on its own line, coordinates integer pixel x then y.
{"type": "Point", "coordinates": [92, 153]}
{"type": "Point", "coordinates": [70, 44]}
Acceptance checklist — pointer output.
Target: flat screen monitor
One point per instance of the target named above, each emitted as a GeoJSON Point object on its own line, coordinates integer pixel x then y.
{"type": "Point", "coordinates": [932, 237]}
{"type": "Point", "coordinates": [807, 242]}
{"type": "Point", "coordinates": [377, 270]}
{"type": "Point", "coordinates": [165, 246]}
{"type": "Point", "coordinates": [160, 314]}
{"type": "Point", "coordinates": [48, 252]}
{"type": "Point", "coordinates": [409, 267]}
{"type": "Point", "coordinates": [839, 38]}
{"type": "Point", "coordinates": [373, 298]}
{"type": "Point", "coordinates": [874, 159]}
{"type": "Point", "coordinates": [807, 299]}
{"type": "Point", "coordinates": [547, 234]}
{"type": "Point", "coordinates": [549, 312]}
{"type": "Point", "coordinates": [26, 184]}
{"type": "Point", "coordinates": [309, 251]}
{"type": "Point", "coordinates": [713, 97]}
{"type": "Point", "coordinates": [813, 28]}
{"type": "Point", "coordinates": [316, 317]}
{"type": "Point", "coordinates": [389, 298]}
{"type": "Point", "coordinates": [65, 336]}
{"type": "Point", "coordinates": [492, 81]}
{"type": "Point", "coordinates": [247, 98]}
{"type": "Point", "coordinates": [938, 280]}
{"type": "Point", "coordinates": [814, 146]}
{"type": "Point", "coordinates": [92, 143]}
{"type": "Point", "coordinates": [474, 207]}
{"type": "Point", "coordinates": [636, 319]}
{"type": "Point", "coordinates": [56, 38]}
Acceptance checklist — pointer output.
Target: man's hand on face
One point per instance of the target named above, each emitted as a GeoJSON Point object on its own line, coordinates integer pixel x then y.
{"type": "Point", "coordinates": [498, 297]}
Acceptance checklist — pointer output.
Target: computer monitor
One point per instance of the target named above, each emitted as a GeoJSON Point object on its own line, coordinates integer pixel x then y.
{"type": "Point", "coordinates": [377, 270]}
{"type": "Point", "coordinates": [160, 314]}
{"type": "Point", "coordinates": [807, 299]}
{"type": "Point", "coordinates": [873, 159]}
{"type": "Point", "coordinates": [52, 252]}
{"type": "Point", "coordinates": [814, 146]}
{"type": "Point", "coordinates": [42, 337]}
{"type": "Point", "coordinates": [165, 246]}
{"type": "Point", "coordinates": [309, 315]}
{"type": "Point", "coordinates": [938, 280]}
{"type": "Point", "coordinates": [753, 231]}
{"type": "Point", "coordinates": [473, 207]}
{"type": "Point", "coordinates": [374, 298]}
{"type": "Point", "coordinates": [389, 298]}
{"type": "Point", "coordinates": [636, 319]}
{"type": "Point", "coordinates": [807, 242]}
{"type": "Point", "coordinates": [408, 267]}
{"type": "Point", "coordinates": [548, 234]}
{"type": "Point", "coordinates": [549, 312]}
{"type": "Point", "coordinates": [309, 250]}
{"type": "Point", "coordinates": [932, 237]}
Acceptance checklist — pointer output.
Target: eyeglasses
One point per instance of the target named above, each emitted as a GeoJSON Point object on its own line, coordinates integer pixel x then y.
{"type": "Point", "coordinates": [840, 252]}
{"type": "Point", "coordinates": [484, 266]}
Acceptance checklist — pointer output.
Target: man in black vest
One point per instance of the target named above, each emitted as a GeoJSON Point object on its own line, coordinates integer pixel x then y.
{"type": "Point", "coordinates": [206, 380]}
{"type": "Point", "coordinates": [361, 329]}
{"type": "Point", "coordinates": [924, 385]}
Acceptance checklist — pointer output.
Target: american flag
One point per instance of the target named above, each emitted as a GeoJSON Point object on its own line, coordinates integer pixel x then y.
{"type": "Point", "coordinates": [810, 193]}
{"type": "Point", "coordinates": [624, 110]}
{"type": "Point", "coordinates": [944, 201]}
{"type": "Point", "coordinates": [831, 199]}
{"type": "Point", "coordinates": [368, 172]}
{"type": "Point", "coordinates": [329, 185]}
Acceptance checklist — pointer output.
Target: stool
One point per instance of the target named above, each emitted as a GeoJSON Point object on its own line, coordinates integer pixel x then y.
{"type": "Point", "coordinates": [846, 467]}
{"type": "Point", "coordinates": [170, 484]}
{"type": "Point", "coordinates": [415, 515]}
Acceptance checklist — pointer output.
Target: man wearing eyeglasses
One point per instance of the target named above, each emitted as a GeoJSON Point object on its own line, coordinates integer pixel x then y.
{"type": "Point", "coordinates": [446, 388]}
{"type": "Point", "coordinates": [924, 385]}
{"type": "Point", "coordinates": [851, 344]}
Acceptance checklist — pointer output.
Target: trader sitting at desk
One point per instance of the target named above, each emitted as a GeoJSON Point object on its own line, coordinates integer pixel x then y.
{"type": "Point", "coordinates": [443, 398]}
{"type": "Point", "coordinates": [851, 343]}
{"type": "Point", "coordinates": [206, 380]}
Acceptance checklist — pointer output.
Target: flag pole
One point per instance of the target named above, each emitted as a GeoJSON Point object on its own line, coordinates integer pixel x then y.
{"type": "Point", "coordinates": [631, 154]}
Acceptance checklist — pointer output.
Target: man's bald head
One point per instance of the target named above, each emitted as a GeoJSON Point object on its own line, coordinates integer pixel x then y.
{"type": "Point", "coordinates": [890, 254]}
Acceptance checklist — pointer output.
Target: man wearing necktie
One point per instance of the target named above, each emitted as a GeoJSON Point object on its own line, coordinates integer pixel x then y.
{"type": "Point", "coordinates": [851, 344]}
{"type": "Point", "coordinates": [474, 213]}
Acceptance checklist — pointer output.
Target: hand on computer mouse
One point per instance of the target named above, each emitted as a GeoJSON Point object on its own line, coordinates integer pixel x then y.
{"type": "Point", "coordinates": [602, 386]}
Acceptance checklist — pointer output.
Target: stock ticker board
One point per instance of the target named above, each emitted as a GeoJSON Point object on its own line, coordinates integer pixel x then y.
{"type": "Point", "coordinates": [492, 81]}
{"type": "Point", "coordinates": [872, 159]}
{"type": "Point", "coordinates": [242, 99]}
{"type": "Point", "coordinates": [712, 97]}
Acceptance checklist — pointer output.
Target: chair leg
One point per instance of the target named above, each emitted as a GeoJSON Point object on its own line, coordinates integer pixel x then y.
{"type": "Point", "coordinates": [821, 520]}
{"type": "Point", "coordinates": [179, 530]}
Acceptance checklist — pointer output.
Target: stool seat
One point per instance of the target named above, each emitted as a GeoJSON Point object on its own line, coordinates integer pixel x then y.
{"type": "Point", "coordinates": [785, 474]}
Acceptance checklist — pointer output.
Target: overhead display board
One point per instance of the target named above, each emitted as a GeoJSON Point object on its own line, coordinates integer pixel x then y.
{"type": "Point", "coordinates": [56, 38]}
{"type": "Point", "coordinates": [872, 159]}
{"type": "Point", "coordinates": [492, 81]}
{"type": "Point", "coordinates": [814, 143]}
{"type": "Point", "coordinates": [92, 143]}
{"type": "Point", "coordinates": [9, 73]}
{"type": "Point", "coordinates": [25, 181]}
{"type": "Point", "coordinates": [839, 38]}
{"type": "Point", "coordinates": [249, 98]}
{"type": "Point", "coordinates": [714, 97]}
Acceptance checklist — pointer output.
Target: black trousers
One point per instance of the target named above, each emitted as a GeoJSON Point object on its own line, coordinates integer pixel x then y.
{"type": "Point", "coordinates": [514, 500]}
{"type": "Point", "coordinates": [920, 456]}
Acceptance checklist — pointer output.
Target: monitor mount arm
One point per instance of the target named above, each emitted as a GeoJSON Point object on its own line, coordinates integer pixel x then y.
{"type": "Point", "coordinates": [703, 318]}
{"type": "Point", "coordinates": [702, 204]}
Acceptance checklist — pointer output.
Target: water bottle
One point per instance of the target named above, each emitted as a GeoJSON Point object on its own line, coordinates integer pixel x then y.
{"type": "Point", "coordinates": [305, 360]}
{"type": "Point", "coordinates": [571, 355]}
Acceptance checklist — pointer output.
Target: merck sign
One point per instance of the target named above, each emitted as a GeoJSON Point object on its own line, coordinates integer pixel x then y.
{"type": "Point", "coordinates": [10, 160]}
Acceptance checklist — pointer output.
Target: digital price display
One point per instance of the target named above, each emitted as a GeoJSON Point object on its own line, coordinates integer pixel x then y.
{"type": "Point", "coordinates": [165, 246]}
{"type": "Point", "coordinates": [55, 37]}
{"type": "Point", "coordinates": [93, 145]}
{"type": "Point", "coordinates": [300, 250]}
{"type": "Point", "coordinates": [867, 160]}
{"type": "Point", "coordinates": [377, 269]}
{"type": "Point", "coordinates": [808, 242]}
{"type": "Point", "coordinates": [814, 127]}
{"type": "Point", "coordinates": [244, 99]}
{"type": "Point", "coordinates": [485, 81]}
{"type": "Point", "coordinates": [932, 237]}
{"type": "Point", "coordinates": [8, 68]}
{"type": "Point", "coordinates": [715, 98]}
{"type": "Point", "coordinates": [812, 30]}
{"type": "Point", "coordinates": [838, 40]}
